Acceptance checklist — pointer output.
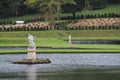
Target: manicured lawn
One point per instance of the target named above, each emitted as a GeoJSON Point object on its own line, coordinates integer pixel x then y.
{"type": "Point", "coordinates": [110, 9]}
{"type": "Point", "coordinates": [59, 51]}
{"type": "Point", "coordinates": [56, 39]}
{"type": "Point", "coordinates": [114, 8]}
{"type": "Point", "coordinates": [64, 34]}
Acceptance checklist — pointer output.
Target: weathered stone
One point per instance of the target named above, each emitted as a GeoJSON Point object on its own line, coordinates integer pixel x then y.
{"type": "Point", "coordinates": [32, 61]}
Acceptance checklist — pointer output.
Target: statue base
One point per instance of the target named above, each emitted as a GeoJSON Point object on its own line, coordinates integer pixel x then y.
{"type": "Point", "coordinates": [31, 58]}
{"type": "Point", "coordinates": [70, 44]}
{"type": "Point", "coordinates": [32, 61]}
{"type": "Point", "coordinates": [31, 52]}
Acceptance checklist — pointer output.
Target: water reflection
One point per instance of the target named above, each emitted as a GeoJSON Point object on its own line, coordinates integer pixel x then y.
{"type": "Point", "coordinates": [31, 72]}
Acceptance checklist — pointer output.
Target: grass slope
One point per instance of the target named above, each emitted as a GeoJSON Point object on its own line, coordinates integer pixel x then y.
{"type": "Point", "coordinates": [110, 9]}
{"type": "Point", "coordinates": [56, 39]}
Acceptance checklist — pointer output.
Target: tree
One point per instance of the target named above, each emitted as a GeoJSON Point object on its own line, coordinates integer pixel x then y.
{"type": "Point", "coordinates": [3, 8]}
{"type": "Point", "coordinates": [113, 1]}
{"type": "Point", "coordinates": [63, 2]}
{"type": "Point", "coordinates": [71, 8]}
{"type": "Point", "coordinates": [51, 8]}
{"type": "Point", "coordinates": [86, 4]}
{"type": "Point", "coordinates": [15, 6]}
{"type": "Point", "coordinates": [98, 4]}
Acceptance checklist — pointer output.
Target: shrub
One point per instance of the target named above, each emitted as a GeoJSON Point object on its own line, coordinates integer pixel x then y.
{"type": "Point", "coordinates": [0, 28]}
{"type": "Point", "coordinates": [92, 27]}
{"type": "Point", "coordinates": [105, 15]}
{"type": "Point", "coordinates": [82, 17]}
{"type": "Point", "coordinates": [78, 17]}
{"type": "Point", "coordinates": [98, 16]}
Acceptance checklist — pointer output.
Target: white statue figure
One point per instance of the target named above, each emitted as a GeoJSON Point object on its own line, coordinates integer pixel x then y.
{"type": "Point", "coordinates": [69, 38]}
{"type": "Point", "coordinates": [70, 42]}
{"type": "Point", "coordinates": [31, 40]}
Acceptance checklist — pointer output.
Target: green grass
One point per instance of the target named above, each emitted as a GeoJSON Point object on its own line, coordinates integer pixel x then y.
{"type": "Point", "coordinates": [56, 39]}
{"type": "Point", "coordinates": [24, 17]}
{"type": "Point", "coordinates": [60, 51]}
{"type": "Point", "coordinates": [114, 8]}
{"type": "Point", "coordinates": [54, 43]}
{"type": "Point", "coordinates": [64, 34]}
{"type": "Point", "coordinates": [110, 9]}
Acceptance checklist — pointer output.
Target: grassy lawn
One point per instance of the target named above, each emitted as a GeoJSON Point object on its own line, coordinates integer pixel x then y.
{"type": "Point", "coordinates": [110, 9]}
{"type": "Point", "coordinates": [56, 39]}
{"type": "Point", "coordinates": [59, 51]}
{"type": "Point", "coordinates": [64, 34]}
{"type": "Point", "coordinates": [24, 17]}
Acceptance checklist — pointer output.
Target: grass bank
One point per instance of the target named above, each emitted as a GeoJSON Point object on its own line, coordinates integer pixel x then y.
{"type": "Point", "coordinates": [59, 51]}
{"type": "Point", "coordinates": [56, 39]}
{"type": "Point", "coordinates": [114, 8]}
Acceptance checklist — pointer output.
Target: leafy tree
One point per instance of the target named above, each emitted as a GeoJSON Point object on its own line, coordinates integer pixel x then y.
{"type": "Point", "coordinates": [15, 6]}
{"type": "Point", "coordinates": [71, 8]}
{"type": "Point", "coordinates": [98, 4]}
{"type": "Point", "coordinates": [3, 8]}
{"type": "Point", "coordinates": [51, 8]}
{"type": "Point", "coordinates": [113, 1]}
{"type": "Point", "coordinates": [87, 4]}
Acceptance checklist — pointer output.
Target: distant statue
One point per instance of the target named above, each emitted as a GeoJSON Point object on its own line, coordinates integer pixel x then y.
{"type": "Point", "coordinates": [31, 40]}
{"type": "Point", "coordinates": [70, 42]}
{"type": "Point", "coordinates": [69, 38]}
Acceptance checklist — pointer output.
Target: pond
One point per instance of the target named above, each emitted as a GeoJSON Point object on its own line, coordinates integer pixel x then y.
{"type": "Point", "coordinates": [96, 42]}
{"type": "Point", "coordinates": [77, 66]}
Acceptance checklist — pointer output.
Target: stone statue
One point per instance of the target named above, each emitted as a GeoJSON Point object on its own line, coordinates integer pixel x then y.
{"type": "Point", "coordinates": [31, 54]}
{"type": "Point", "coordinates": [31, 40]}
{"type": "Point", "coordinates": [69, 41]}
{"type": "Point", "coordinates": [69, 38]}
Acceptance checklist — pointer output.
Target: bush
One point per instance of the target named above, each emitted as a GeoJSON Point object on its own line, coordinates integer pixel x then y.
{"type": "Point", "coordinates": [98, 4]}
{"type": "Point", "coordinates": [82, 17]}
{"type": "Point", "coordinates": [0, 28]}
{"type": "Point", "coordinates": [105, 15]}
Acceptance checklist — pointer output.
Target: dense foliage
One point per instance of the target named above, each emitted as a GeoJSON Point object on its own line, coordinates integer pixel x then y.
{"type": "Point", "coordinates": [9, 8]}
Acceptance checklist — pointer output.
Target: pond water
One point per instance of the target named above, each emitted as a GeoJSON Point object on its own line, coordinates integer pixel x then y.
{"type": "Point", "coordinates": [97, 42]}
{"type": "Point", "coordinates": [87, 66]}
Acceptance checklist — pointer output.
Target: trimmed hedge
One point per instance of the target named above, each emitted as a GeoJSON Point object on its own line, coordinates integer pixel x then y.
{"type": "Point", "coordinates": [110, 15]}
{"type": "Point", "coordinates": [11, 28]}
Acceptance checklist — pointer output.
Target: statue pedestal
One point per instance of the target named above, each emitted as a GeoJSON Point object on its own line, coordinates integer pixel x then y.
{"type": "Point", "coordinates": [70, 44]}
{"type": "Point", "coordinates": [31, 58]}
{"type": "Point", "coordinates": [31, 53]}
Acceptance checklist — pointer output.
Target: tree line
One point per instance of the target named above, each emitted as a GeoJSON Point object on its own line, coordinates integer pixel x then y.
{"type": "Point", "coordinates": [10, 8]}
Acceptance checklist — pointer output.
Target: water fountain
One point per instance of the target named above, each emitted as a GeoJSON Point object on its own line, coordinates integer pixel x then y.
{"type": "Point", "coordinates": [31, 55]}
